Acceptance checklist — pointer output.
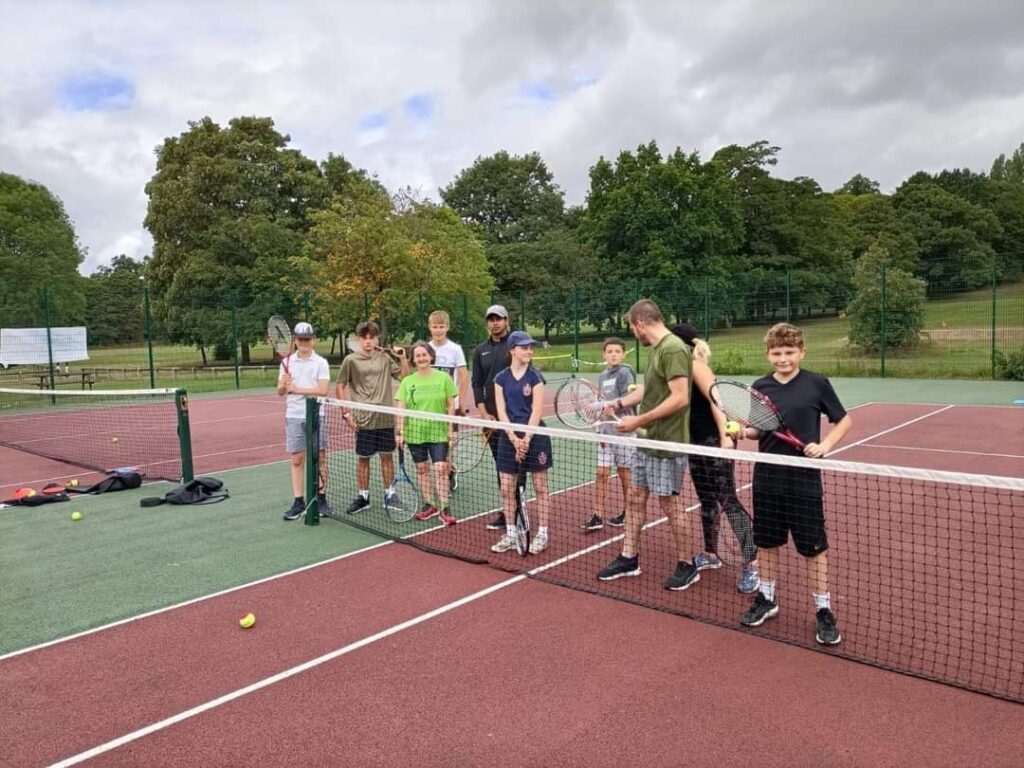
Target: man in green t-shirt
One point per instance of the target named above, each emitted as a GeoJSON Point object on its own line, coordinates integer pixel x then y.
{"type": "Point", "coordinates": [431, 391]}
{"type": "Point", "coordinates": [664, 401]}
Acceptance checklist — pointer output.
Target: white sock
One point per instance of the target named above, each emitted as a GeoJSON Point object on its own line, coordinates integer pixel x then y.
{"type": "Point", "coordinates": [390, 489]}
{"type": "Point", "coordinates": [822, 601]}
{"type": "Point", "coordinates": [364, 494]}
{"type": "Point", "coordinates": [768, 589]}
{"type": "Point", "coordinates": [542, 530]}
{"type": "Point", "coordinates": [510, 530]}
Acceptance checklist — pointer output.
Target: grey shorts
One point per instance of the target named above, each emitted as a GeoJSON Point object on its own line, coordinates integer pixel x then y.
{"type": "Point", "coordinates": [295, 435]}
{"type": "Point", "coordinates": [662, 477]}
{"type": "Point", "coordinates": [620, 456]}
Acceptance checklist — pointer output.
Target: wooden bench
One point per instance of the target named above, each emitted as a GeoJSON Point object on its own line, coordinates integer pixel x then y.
{"type": "Point", "coordinates": [82, 379]}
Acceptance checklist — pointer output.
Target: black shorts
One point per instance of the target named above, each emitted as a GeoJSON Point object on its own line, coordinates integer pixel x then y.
{"type": "Point", "coordinates": [371, 441]}
{"type": "Point", "coordinates": [777, 515]}
{"type": "Point", "coordinates": [538, 457]}
{"type": "Point", "coordinates": [436, 452]}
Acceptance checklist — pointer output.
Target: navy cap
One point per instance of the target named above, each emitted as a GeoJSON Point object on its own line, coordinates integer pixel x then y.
{"type": "Point", "coordinates": [520, 339]}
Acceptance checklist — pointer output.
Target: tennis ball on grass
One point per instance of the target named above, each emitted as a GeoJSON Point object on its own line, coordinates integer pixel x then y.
{"type": "Point", "coordinates": [76, 516]}
{"type": "Point", "coordinates": [246, 620]}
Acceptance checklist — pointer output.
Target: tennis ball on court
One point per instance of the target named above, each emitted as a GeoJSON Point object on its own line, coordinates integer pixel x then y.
{"type": "Point", "coordinates": [246, 620]}
{"type": "Point", "coordinates": [76, 516]}
{"type": "Point", "coordinates": [73, 482]}
{"type": "Point", "coordinates": [732, 428]}
{"type": "Point", "coordinates": [113, 440]}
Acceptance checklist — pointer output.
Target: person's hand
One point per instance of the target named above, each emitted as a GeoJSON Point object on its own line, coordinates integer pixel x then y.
{"type": "Point", "coordinates": [285, 381]}
{"type": "Point", "coordinates": [350, 420]}
{"type": "Point", "coordinates": [398, 351]}
{"type": "Point", "coordinates": [609, 410]}
{"type": "Point", "coordinates": [399, 440]}
{"type": "Point", "coordinates": [814, 451]}
{"type": "Point", "coordinates": [727, 442]}
{"type": "Point", "coordinates": [628, 424]}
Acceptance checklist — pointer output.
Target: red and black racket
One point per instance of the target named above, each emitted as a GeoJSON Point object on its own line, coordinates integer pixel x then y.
{"type": "Point", "coordinates": [752, 409]}
{"type": "Point", "coordinates": [280, 337]}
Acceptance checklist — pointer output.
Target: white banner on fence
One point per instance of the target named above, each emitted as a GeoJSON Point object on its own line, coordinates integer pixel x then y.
{"type": "Point", "coordinates": [27, 346]}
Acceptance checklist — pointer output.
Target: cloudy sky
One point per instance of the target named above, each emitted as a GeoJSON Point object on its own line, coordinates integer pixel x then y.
{"type": "Point", "coordinates": [414, 91]}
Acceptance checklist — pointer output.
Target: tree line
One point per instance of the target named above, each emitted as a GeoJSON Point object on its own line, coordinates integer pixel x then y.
{"type": "Point", "coordinates": [246, 225]}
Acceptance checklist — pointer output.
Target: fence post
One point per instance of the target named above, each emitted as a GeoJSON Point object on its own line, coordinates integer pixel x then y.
{"type": "Point", "coordinates": [366, 306]}
{"type": "Point", "coordinates": [307, 308]}
{"type": "Point", "coordinates": [882, 343]}
{"type": "Point", "coordinates": [992, 353]}
{"type": "Point", "coordinates": [707, 309]}
{"type": "Point", "coordinates": [522, 309]}
{"type": "Point", "coordinates": [789, 294]}
{"type": "Point", "coordinates": [149, 335]}
{"type": "Point", "coordinates": [576, 322]}
{"type": "Point", "coordinates": [234, 338]}
{"type": "Point", "coordinates": [48, 319]}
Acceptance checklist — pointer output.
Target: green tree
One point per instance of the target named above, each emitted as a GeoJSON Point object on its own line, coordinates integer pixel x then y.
{"type": "Point", "coordinates": [859, 185]}
{"type": "Point", "coordinates": [903, 309]}
{"type": "Point", "coordinates": [1009, 169]}
{"type": "Point", "coordinates": [38, 249]}
{"type": "Point", "coordinates": [114, 303]}
{"type": "Point", "coordinates": [227, 209]}
{"type": "Point", "coordinates": [388, 253]}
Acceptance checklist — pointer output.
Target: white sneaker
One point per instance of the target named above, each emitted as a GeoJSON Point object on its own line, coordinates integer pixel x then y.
{"type": "Point", "coordinates": [505, 543]}
{"type": "Point", "coordinates": [539, 543]}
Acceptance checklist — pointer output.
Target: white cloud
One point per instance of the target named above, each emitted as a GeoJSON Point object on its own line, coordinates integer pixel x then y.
{"type": "Point", "coordinates": [872, 87]}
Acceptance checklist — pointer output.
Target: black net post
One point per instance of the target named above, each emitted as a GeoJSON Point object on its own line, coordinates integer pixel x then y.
{"type": "Point", "coordinates": [312, 461]}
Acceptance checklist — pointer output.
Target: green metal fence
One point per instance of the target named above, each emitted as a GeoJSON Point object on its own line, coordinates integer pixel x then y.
{"type": "Point", "coordinates": [216, 342]}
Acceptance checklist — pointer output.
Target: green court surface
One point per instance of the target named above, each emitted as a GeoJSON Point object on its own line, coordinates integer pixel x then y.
{"type": "Point", "coordinates": [61, 577]}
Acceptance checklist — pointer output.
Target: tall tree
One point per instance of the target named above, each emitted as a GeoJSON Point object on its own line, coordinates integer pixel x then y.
{"type": "Point", "coordinates": [1010, 168]}
{"type": "Point", "coordinates": [859, 185]}
{"type": "Point", "coordinates": [38, 249]}
{"type": "Point", "coordinates": [227, 208]}
{"type": "Point", "coordinates": [114, 309]}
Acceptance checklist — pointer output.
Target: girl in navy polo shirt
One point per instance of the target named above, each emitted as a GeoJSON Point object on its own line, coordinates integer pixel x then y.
{"type": "Point", "coordinates": [519, 396]}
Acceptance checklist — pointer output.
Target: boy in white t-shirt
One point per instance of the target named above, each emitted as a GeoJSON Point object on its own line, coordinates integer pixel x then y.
{"type": "Point", "coordinates": [452, 360]}
{"type": "Point", "coordinates": [307, 374]}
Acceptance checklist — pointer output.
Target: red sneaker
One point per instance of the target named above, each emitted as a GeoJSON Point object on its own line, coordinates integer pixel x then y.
{"type": "Point", "coordinates": [428, 511]}
{"type": "Point", "coordinates": [446, 517]}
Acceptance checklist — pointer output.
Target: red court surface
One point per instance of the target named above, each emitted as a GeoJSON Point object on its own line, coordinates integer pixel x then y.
{"type": "Point", "coordinates": [527, 674]}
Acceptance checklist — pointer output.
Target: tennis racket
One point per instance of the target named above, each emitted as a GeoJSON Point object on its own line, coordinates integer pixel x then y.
{"type": "Point", "coordinates": [522, 518]}
{"type": "Point", "coordinates": [752, 409]}
{"type": "Point", "coordinates": [401, 505]}
{"type": "Point", "coordinates": [467, 448]}
{"type": "Point", "coordinates": [578, 405]}
{"type": "Point", "coordinates": [280, 337]}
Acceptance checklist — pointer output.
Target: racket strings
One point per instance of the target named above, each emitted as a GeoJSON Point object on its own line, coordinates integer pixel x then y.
{"type": "Point", "coordinates": [742, 405]}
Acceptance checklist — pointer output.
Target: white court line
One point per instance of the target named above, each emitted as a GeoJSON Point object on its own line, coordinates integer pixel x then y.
{"type": "Point", "coordinates": [946, 450]}
{"type": "Point", "coordinates": [395, 629]}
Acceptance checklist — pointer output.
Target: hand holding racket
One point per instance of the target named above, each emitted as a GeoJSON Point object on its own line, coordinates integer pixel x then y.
{"type": "Point", "coordinates": [578, 405]}
{"type": "Point", "coordinates": [752, 409]}
{"type": "Point", "coordinates": [281, 341]}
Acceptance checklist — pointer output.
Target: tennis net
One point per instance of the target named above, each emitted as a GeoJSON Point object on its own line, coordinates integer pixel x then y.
{"type": "Point", "coordinates": [102, 430]}
{"type": "Point", "coordinates": [923, 567]}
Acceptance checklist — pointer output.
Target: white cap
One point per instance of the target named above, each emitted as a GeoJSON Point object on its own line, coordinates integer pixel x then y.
{"type": "Point", "coordinates": [304, 331]}
{"type": "Point", "coordinates": [497, 309]}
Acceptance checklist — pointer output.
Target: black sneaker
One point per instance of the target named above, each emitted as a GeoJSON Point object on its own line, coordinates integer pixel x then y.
{"type": "Point", "coordinates": [497, 522]}
{"type": "Point", "coordinates": [294, 512]}
{"type": "Point", "coordinates": [759, 611]}
{"type": "Point", "coordinates": [453, 480]}
{"type": "Point", "coordinates": [619, 520]}
{"type": "Point", "coordinates": [358, 505]}
{"type": "Point", "coordinates": [682, 578]}
{"type": "Point", "coordinates": [619, 567]}
{"type": "Point", "coordinates": [326, 510]}
{"type": "Point", "coordinates": [595, 523]}
{"type": "Point", "coordinates": [828, 632]}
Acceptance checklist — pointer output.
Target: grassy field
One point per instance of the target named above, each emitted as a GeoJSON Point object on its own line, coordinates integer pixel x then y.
{"type": "Point", "coordinates": [956, 343]}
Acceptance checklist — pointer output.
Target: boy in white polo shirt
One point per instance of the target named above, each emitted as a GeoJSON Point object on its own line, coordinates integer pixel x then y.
{"type": "Point", "coordinates": [307, 374]}
{"type": "Point", "coordinates": [452, 360]}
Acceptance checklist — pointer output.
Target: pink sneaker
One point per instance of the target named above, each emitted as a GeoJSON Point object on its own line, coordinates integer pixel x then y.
{"type": "Point", "coordinates": [428, 511]}
{"type": "Point", "coordinates": [446, 517]}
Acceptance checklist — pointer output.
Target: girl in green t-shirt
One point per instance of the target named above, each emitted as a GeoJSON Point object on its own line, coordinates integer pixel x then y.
{"type": "Point", "coordinates": [434, 392]}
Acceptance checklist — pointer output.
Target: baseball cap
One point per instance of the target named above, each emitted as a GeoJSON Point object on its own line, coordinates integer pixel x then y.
{"type": "Point", "coordinates": [497, 309]}
{"type": "Point", "coordinates": [304, 331]}
{"type": "Point", "coordinates": [520, 339]}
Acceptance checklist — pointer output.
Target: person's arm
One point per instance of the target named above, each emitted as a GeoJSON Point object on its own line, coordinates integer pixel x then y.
{"type": "Point", "coordinates": [499, 402]}
{"type": "Point", "coordinates": [283, 382]}
{"type": "Point", "coordinates": [703, 378]}
{"type": "Point", "coordinates": [400, 423]}
{"type": "Point", "coordinates": [835, 436]}
{"type": "Point", "coordinates": [462, 379]}
{"type": "Point", "coordinates": [479, 379]}
{"type": "Point", "coordinates": [678, 398]}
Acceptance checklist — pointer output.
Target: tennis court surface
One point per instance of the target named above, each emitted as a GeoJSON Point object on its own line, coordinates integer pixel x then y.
{"type": "Point", "coordinates": [122, 644]}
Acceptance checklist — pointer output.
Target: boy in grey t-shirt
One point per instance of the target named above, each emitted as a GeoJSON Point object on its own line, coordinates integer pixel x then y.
{"type": "Point", "coordinates": [614, 382]}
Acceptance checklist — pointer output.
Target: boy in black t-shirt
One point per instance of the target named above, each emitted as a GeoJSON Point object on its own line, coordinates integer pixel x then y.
{"type": "Point", "coordinates": [788, 500]}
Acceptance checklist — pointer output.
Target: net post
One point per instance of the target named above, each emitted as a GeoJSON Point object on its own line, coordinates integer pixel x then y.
{"type": "Point", "coordinates": [522, 308]}
{"type": "Point", "coordinates": [992, 351]}
{"type": "Point", "coordinates": [307, 308]}
{"type": "Point", "coordinates": [184, 435]}
{"type": "Point", "coordinates": [234, 339]}
{"type": "Point", "coordinates": [312, 461]}
{"type": "Point", "coordinates": [881, 340]}
{"type": "Point", "coordinates": [48, 317]}
{"type": "Point", "coordinates": [366, 306]}
{"type": "Point", "coordinates": [147, 308]}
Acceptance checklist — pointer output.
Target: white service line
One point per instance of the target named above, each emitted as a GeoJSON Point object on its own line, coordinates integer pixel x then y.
{"type": "Point", "coordinates": [885, 447]}
{"type": "Point", "coordinates": [280, 676]}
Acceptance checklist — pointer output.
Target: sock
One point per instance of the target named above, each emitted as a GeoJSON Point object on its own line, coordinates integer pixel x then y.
{"type": "Point", "coordinates": [389, 490]}
{"type": "Point", "coordinates": [822, 601]}
{"type": "Point", "coordinates": [768, 589]}
{"type": "Point", "coordinates": [300, 499]}
{"type": "Point", "coordinates": [542, 530]}
{"type": "Point", "coordinates": [631, 558]}
{"type": "Point", "coordinates": [510, 530]}
{"type": "Point", "coordinates": [364, 494]}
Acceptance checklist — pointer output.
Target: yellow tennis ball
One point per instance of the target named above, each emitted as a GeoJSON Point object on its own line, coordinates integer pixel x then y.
{"type": "Point", "coordinates": [631, 388]}
{"type": "Point", "coordinates": [76, 516]}
{"type": "Point", "coordinates": [246, 620]}
{"type": "Point", "coordinates": [733, 428]}
{"type": "Point", "coordinates": [73, 482]}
